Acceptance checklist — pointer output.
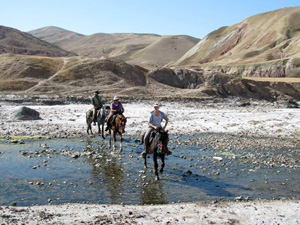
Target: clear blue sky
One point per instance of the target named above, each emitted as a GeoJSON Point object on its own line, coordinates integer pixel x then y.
{"type": "Point", "coordinates": [196, 18]}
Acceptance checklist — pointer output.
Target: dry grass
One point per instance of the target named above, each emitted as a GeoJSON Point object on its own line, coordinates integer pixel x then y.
{"type": "Point", "coordinates": [7, 85]}
{"type": "Point", "coordinates": [275, 79]}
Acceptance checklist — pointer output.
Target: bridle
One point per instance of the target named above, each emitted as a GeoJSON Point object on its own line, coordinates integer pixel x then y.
{"type": "Point", "coordinates": [121, 122]}
{"type": "Point", "coordinates": [160, 145]}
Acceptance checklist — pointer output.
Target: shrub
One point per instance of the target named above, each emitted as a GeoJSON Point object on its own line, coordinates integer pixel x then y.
{"type": "Point", "coordinates": [294, 72]}
{"type": "Point", "coordinates": [252, 54]}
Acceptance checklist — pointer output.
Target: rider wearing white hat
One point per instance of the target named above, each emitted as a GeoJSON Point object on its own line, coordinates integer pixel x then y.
{"type": "Point", "coordinates": [116, 107]}
{"type": "Point", "coordinates": [154, 123]}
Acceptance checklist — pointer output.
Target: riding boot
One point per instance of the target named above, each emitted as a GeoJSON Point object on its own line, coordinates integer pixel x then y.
{"type": "Point", "coordinates": [107, 126]}
{"type": "Point", "coordinates": [144, 153]}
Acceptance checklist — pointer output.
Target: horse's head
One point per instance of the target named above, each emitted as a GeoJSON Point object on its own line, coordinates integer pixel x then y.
{"type": "Point", "coordinates": [163, 140]}
{"type": "Point", "coordinates": [122, 122]}
{"type": "Point", "coordinates": [101, 113]}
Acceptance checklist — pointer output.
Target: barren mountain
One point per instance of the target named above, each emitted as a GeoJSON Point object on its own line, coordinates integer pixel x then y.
{"type": "Point", "coordinates": [100, 45]}
{"type": "Point", "coordinates": [17, 42]}
{"type": "Point", "coordinates": [165, 50]}
{"type": "Point", "coordinates": [148, 50]}
{"type": "Point", "coordinates": [258, 43]}
{"type": "Point", "coordinates": [79, 76]}
{"type": "Point", "coordinates": [54, 35]}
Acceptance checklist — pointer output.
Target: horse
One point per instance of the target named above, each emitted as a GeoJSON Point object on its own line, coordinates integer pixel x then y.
{"type": "Point", "coordinates": [118, 127]}
{"type": "Point", "coordinates": [158, 147]}
{"type": "Point", "coordinates": [101, 114]}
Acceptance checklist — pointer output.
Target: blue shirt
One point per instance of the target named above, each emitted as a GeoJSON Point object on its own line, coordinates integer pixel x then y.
{"type": "Point", "coordinates": [156, 120]}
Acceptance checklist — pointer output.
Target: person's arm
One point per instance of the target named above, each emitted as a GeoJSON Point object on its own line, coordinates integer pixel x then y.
{"type": "Point", "coordinates": [112, 109]}
{"type": "Point", "coordinates": [166, 119]}
{"type": "Point", "coordinates": [166, 123]}
{"type": "Point", "coordinates": [122, 108]}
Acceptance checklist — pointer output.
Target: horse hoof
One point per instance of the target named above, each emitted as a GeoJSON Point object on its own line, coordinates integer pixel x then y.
{"type": "Point", "coordinates": [157, 178]}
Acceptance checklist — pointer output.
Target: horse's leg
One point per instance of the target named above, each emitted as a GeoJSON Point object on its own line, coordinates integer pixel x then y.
{"type": "Point", "coordinates": [109, 143]}
{"type": "Point", "coordinates": [103, 130]}
{"type": "Point", "coordinates": [114, 139]}
{"type": "Point", "coordinates": [162, 163]}
{"type": "Point", "coordinates": [121, 143]}
{"type": "Point", "coordinates": [90, 127]}
{"type": "Point", "coordinates": [98, 123]}
{"type": "Point", "coordinates": [145, 162]}
{"type": "Point", "coordinates": [155, 165]}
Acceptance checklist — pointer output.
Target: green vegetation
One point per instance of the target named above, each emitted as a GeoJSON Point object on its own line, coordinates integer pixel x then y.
{"type": "Point", "coordinates": [252, 53]}
{"type": "Point", "coordinates": [285, 45]}
{"type": "Point", "coordinates": [296, 62]}
{"type": "Point", "coordinates": [23, 137]}
{"type": "Point", "coordinates": [293, 25]}
{"type": "Point", "coordinates": [294, 72]}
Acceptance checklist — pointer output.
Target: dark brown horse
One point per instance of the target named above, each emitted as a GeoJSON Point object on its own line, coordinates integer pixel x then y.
{"type": "Point", "coordinates": [158, 147]}
{"type": "Point", "coordinates": [118, 127]}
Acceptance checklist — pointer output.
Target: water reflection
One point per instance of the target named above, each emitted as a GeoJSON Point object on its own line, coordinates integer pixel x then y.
{"type": "Point", "coordinates": [152, 191]}
{"type": "Point", "coordinates": [107, 171]}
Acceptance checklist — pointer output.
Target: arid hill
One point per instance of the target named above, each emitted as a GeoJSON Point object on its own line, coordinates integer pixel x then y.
{"type": "Point", "coordinates": [262, 45]}
{"type": "Point", "coordinates": [54, 35]}
{"type": "Point", "coordinates": [163, 51]}
{"type": "Point", "coordinates": [147, 50]}
{"type": "Point", "coordinates": [17, 42]}
{"type": "Point", "coordinates": [77, 76]}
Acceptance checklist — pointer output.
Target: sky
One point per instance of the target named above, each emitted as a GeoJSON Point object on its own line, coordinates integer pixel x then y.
{"type": "Point", "coordinates": [195, 18]}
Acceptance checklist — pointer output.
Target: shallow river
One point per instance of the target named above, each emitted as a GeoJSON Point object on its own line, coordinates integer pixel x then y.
{"type": "Point", "coordinates": [108, 177]}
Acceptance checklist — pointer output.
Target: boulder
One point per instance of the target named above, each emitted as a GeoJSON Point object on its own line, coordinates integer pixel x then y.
{"type": "Point", "coordinates": [25, 113]}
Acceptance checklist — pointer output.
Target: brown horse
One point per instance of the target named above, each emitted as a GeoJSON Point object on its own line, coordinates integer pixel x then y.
{"type": "Point", "coordinates": [118, 127]}
{"type": "Point", "coordinates": [158, 147]}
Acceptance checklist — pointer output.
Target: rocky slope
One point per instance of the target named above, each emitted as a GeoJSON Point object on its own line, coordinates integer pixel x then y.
{"type": "Point", "coordinates": [81, 76]}
{"type": "Point", "coordinates": [17, 42]}
{"type": "Point", "coordinates": [262, 45]}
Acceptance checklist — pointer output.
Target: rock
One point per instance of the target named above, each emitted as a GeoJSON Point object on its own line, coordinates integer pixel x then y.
{"type": "Point", "coordinates": [25, 113]}
{"type": "Point", "coordinates": [239, 198]}
{"type": "Point", "coordinates": [14, 141]}
{"type": "Point", "coordinates": [219, 159]}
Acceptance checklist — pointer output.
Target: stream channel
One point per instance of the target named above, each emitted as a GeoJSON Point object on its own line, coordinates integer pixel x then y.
{"type": "Point", "coordinates": [54, 171]}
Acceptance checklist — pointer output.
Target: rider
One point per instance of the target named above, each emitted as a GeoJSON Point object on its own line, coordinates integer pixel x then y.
{"type": "Point", "coordinates": [154, 123]}
{"type": "Point", "coordinates": [97, 103]}
{"type": "Point", "coordinates": [116, 107]}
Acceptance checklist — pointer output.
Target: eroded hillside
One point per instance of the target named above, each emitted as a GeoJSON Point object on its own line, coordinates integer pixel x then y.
{"type": "Point", "coordinates": [79, 76]}
{"type": "Point", "coordinates": [262, 45]}
{"type": "Point", "coordinates": [17, 42]}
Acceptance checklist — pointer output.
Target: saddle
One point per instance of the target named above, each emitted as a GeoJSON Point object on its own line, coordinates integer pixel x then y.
{"type": "Point", "coordinates": [152, 135]}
